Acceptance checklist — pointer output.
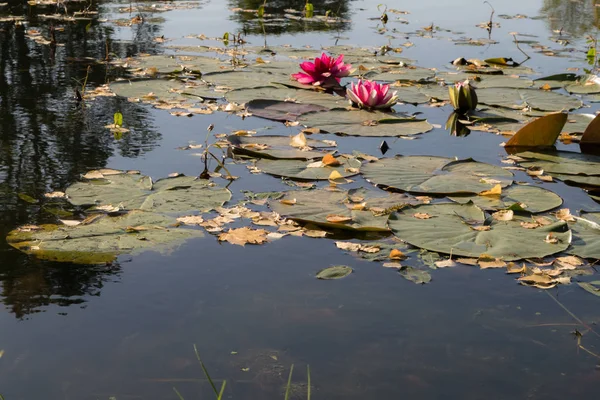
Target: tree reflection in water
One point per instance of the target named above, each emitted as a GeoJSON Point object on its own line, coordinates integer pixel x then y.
{"type": "Point", "coordinates": [47, 140]}
{"type": "Point", "coordinates": [573, 17]}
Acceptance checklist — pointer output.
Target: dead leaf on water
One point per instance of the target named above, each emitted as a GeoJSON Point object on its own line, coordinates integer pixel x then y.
{"type": "Point", "coordinates": [243, 236]}
{"type": "Point", "coordinates": [513, 268]}
{"type": "Point", "coordinates": [503, 215]}
{"type": "Point", "coordinates": [564, 214]}
{"type": "Point", "coordinates": [495, 191]}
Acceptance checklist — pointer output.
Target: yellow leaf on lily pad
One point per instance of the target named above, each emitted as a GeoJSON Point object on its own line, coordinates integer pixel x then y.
{"type": "Point", "coordinates": [298, 141]}
{"type": "Point", "coordinates": [495, 191]}
{"type": "Point", "coordinates": [541, 132]}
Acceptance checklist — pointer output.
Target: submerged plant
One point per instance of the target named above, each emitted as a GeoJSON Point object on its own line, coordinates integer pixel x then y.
{"type": "Point", "coordinates": [371, 95]}
{"type": "Point", "coordinates": [324, 70]}
{"type": "Point", "coordinates": [463, 97]}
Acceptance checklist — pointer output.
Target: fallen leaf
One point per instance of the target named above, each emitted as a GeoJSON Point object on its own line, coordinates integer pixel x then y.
{"type": "Point", "coordinates": [530, 225]}
{"type": "Point", "coordinates": [396, 254]}
{"type": "Point", "coordinates": [550, 238]}
{"type": "Point", "coordinates": [392, 265]}
{"type": "Point", "coordinates": [564, 214]}
{"type": "Point", "coordinates": [422, 216]}
{"type": "Point", "coordinates": [495, 191]}
{"type": "Point", "coordinates": [191, 220]}
{"type": "Point", "coordinates": [445, 263]}
{"type": "Point", "coordinates": [513, 268]}
{"type": "Point", "coordinates": [55, 195]}
{"type": "Point", "coordinates": [243, 236]}
{"type": "Point", "coordinates": [289, 202]}
{"type": "Point", "coordinates": [298, 141]}
{"type": "Point", "coordinates": [337, 219]}
{"type": "Point", "coordinates": [331, 161]}
{"type": "Point", "coordinates": [503, 215]}
{"type": "Point", "coordinates": [70, 222]}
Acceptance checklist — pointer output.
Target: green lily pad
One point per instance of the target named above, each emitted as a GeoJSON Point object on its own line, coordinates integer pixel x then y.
{"type": "Point", "coordinates": [277, 110]}
{"type": "Point", "coordinates": [542, 100]}
{"type": "Point", "coordinates": [304, 170]}
{"type": "Point", "coordinates": [557, 81]}
{"type": "Point", "coordinates": [415, 275]}
{"type": "Point", "coordinates": [486, 81]}
{"type": "Point", "coordinates": [435, 175]}
{"type": "Point", "coordinates": [364, 123]}
{"type": "Point", "coordinates": [335, 272]}
{"type": "Point", "coordinates": [586, 235]}
{"type": "Point", "coordinates": [278, 147]}
{"type": "Point", "coordinates": [162, 89]}
{"type": "Point", "coordinates": [447, 229]}
{"type": "Point", "coordinates": [102, 240]}
{"type": "Point", "coordinates": [570, 167]}
{"type": "Point", "coordinates": [165, 64]}
{"type": "Point", "coordinates": [245, 78]}
{"type": "Point", "coordinates": [131, 191]}
{"type": "Point", "coordinates": [315, 206]}
{"type": "Point", "coordinates": [532, 198]}
{"type": "Point", "coordinates": [588, 84]}
{"type": "Point", "coordinates": [591, 287]}
{"type": "Point", "coordinates": [401, 74]}
{"type": "Point", "coordinates": [284, 93]}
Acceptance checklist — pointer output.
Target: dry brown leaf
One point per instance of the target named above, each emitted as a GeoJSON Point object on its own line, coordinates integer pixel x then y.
{"type": "Point", "coordinates": [243, 236]}
{"type": "Point", "coordinates": [543, 221]}
{"type": "Point", "coordinates": [550, 238]}
{"type": "Point", "coordinates": [535, 171]}
{"type": "Point", "coordinates": [55, 195]}
{"type": "Point", "coordinates": [513, 268]}
{"type": "Point", "coordinates": [422, 216]}
{"type": "Point", "coordinates": [530, 225]}
{"type": "Point", "coordinates": [495, 191]}
{"type": "Point", "coordinates": [503, 215]}
{"type": "Point", "coordinates": [288, 202]}
{"type": "Point", "coordinates": [314, 233]}
{"type": "Point", "coordinates": [445, 263]}
{"type": "Point", "coordinates": [564, 214]}
{"type": "Point", "coordinates": [481, 228]}
{"type": "Point", "coordinates": [298, 141]}
{"type": "Point", "coordinates": [396, 254]}
{"type": "Point", "coordinates": [424, 199]}
{"type": "Point", "coordinates": [467, 261]}
{"type": "Point", "coordinates": [330, 160]}
{"type": "Point", "coordinates": [497, 263]}
{"type": "Point", "coordinates": [69, 222]}
{"type": "Point", "coordinates": [191, 220]}
{"type": "Point", "coordinates": [545, 178]}
{"type": "Point", "coordinates": [338, 219]}
{"type": "Point", "coordinates": [392, 265]}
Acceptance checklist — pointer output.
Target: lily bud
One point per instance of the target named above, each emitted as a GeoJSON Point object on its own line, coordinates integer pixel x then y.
{"type": "Point", "coordinates": [463, 97]}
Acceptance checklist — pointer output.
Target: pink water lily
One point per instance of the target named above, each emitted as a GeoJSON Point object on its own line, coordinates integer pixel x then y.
{"type": "Point", "coordinates": [324, 69]}
{"type": "Point", "coordinates": [371, 95]}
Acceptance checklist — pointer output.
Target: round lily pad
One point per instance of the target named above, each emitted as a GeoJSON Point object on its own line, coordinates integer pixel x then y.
{"type": "Point", "coordinates": [103, 239]}
{"type": "Point", "coordinates": [284, 93]}
{"type": "Point", "coordinates": [586, 235]}
{"type": "Point", "coordinates": [162, 89]}
{"type": "Point", "coordinates": [275, 147]}
{"type": "Point", "coordinates": [435, 175]}
{"type": "Point", "coordinates": [532, 198]}
{"type": "Point", "coordinates": [364, 123]}
{"type": "Point", "coordinates": [305, 170]}
{"type": "Point", "coordinates": [131, 191]}
{"type": "Point", "coordinates": [570, 167]}
{"type": "Point", "coordinates": [451, 229]}
{"type": "Point", "coordinates": [318, 207]}
{"type": "Point", "coordinates": [542, 100]}
{"type": "Point", "coordinates": [166, 64]}
{"type": "Point", "coordinates": [335, 272]}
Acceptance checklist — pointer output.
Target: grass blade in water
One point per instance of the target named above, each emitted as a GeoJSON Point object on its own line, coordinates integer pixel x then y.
{"type": "Point", "coordinates": [222, 390]}
{"type": "Point", "coordinates": [206, 373]}
{"type": "Point", "coordinates": [175, 390]}
{"type": "Point", "coordinates": [289, 384]}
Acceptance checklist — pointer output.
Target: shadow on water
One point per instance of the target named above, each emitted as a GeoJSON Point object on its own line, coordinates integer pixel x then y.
{"type": "Point", "coordinates": [48, 138]}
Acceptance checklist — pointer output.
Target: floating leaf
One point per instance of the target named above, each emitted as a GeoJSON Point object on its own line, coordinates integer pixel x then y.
{"type": "Point", "coordinates": [243, 236]}
{"type": "Point", "coordinates": [435, 175]}
{"type": "Point", "coordinates": [103, 239]}
{"type": "Point", "coordinates": [317, 207]}
{"type": "Point", "coordinates": [591, 287]}
{"type": "Point", "coordinates": [415, 275]}
{"type": "Point", "coordinates": [277, 147]}
{"type": "Point", "coordinates": [534, 98]}
{"type": "Point", "coordinates": [303, 170]}
{"type": "Point", "coordinates": [285, 93]}
{"type": "Point", "coordinates": [280, 110]}
{"type": "Point", "coordinates": [570, 167]}
{"type": "Point", "coordinates": [541, 132]}
{"type": "Point", "coordinates": [449, 232]}
{"type": "Point", "coordinates": [586, 236]}
{"type": "Point", "coordinates": [364, 123]}
{"type": "Point", "coordinates": [131, 191]}
{"type": "Point", "coordinates": [335, 272]}
{"type": "Point", "coordinates": [532, 199]}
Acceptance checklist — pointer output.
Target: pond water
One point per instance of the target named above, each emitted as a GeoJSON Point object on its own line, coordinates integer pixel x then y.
{"type": "Point", "coordinates": [126, 330]}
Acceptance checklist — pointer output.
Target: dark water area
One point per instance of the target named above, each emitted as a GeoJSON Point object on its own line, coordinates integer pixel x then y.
{"type": "Point", "coordinates": [126, 330]}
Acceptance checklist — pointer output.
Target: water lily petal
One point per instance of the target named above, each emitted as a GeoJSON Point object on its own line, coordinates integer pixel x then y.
{"type": "Point", "coordinates": [303, 78]}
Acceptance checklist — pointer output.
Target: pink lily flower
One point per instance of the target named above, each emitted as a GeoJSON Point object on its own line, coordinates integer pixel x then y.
{"type": "Point", "coordinates": [323, 69]}
{"type": "Point", "coordinates": [371, 95]}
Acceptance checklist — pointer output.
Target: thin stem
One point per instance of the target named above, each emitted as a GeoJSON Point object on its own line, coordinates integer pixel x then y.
{"type": "Point", "coordinates": [308, 381]}
{"type": "Point", "coordinates": [289, 383]}
{"type": "Point", "coordinates": [575, 317]}
{"type": "Point", "coordinates": [176, 392]}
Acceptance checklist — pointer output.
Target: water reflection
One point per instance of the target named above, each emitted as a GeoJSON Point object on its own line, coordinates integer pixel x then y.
{"type": "Point", "coordinates": [277, 24]}
{"type": "Point", "coordinates": [48, 138]}
{"type": "Point", "coordinates": [573, 17]}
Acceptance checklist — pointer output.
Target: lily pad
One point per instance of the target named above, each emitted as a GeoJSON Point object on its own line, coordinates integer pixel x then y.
{"type": "Point", "coordinates": [284, 93]}
{"type": "Point", "coordinates": [162, 89]}
{"type": "Point", "coordinates": [165, 64]}
{"type": "Point", "coordinates": [401, 74]}
{"type": "Point", "coordinates": [588, 84]}
{"type": "Point", "coordinates": [318, 207]}
{"type": "Point", "coordinates": [335, 272]}
{"type": "Point", "coordinates": [415, 275]}
{"type": "Point", "coordinates": [532, 198]}
{"type": "Point", "coordinates": [103, 239]}
{"type": "Point", "coordinates": [586, 235]}
{"type": "Point", "coordinates": [277, 110]}
{"type": "Point", "coordinates": [542, 100]}
{"type": "Point", "coordinates": [571, 167]}
{"type": "Point", "coordinates": [275, 147]}
{"type": "Point", "coordinates": [486, 81]}
{"type": "Point", "coordinates": [448, 229]}
{"type": "Point", "coordinates": [365, 123]}
{"type": "Point", "coordinates": [131, 191]}
{"type": "Point", "coordinates": [243, 79]}
{"type": "Point", "coordinates": [435, 175]}
{"type": "Point", "coordinates": [304, 170]}
{"type": "Point", "coordinates": [591, 287]}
